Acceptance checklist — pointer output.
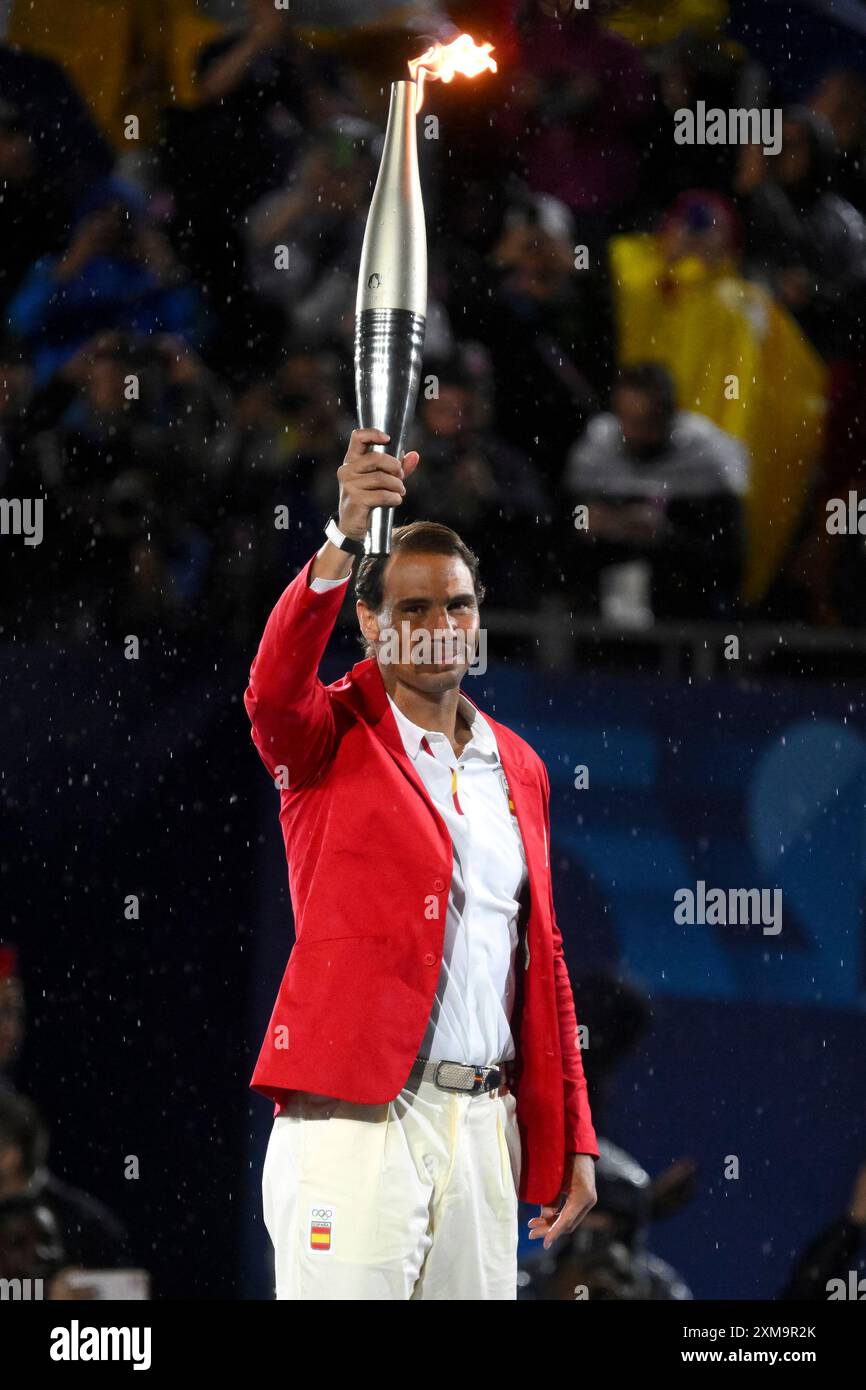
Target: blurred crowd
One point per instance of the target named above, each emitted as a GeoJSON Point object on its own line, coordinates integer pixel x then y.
{"type": "Point", "coordinates": [644, 359]}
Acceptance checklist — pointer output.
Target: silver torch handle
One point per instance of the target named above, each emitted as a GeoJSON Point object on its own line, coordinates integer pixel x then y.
{"type": "Point", "coordinates": [391, 305]}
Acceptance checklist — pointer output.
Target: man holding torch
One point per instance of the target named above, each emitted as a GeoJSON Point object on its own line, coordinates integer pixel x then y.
{"type": "Point", "coordinates": [423, 1051]}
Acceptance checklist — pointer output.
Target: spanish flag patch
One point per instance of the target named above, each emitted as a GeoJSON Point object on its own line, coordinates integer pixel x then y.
{"type": "Point", "coordinates": [321, 1227]}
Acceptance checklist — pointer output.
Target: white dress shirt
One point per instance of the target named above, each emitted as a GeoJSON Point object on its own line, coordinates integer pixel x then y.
{"type": "Point", "coordinates": [471, 1014]}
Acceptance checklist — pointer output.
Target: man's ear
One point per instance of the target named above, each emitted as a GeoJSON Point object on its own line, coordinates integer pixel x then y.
{"type": "Point", "coordinates": [366, 621]}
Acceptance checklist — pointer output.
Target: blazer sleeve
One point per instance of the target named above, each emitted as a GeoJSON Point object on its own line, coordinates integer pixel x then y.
{"type": "Point", "coordinates": [289, 708]}
{"type": "Point", "coordinates": [580, 1137]}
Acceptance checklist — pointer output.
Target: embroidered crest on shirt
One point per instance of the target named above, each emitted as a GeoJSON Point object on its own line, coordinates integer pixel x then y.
{"type": "Point", "coordinates": [505, 787]}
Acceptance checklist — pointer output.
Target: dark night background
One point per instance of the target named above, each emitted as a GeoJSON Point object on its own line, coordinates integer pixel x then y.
{"type": "Point", "coordinates": [123, 777]}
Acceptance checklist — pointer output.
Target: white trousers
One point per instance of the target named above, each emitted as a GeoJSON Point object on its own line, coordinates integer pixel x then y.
{"type": "Point", "coordinates": [411, 1199]}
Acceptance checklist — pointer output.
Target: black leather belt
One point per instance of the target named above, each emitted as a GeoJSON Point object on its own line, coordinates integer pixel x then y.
{"type": "Point", "coordinates": [462, 1076]}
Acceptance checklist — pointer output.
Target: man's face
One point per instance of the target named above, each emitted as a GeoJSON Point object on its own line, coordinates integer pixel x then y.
{"type": "Point", "coordinates": [427, 629]}
{"type": "Point", "coordinates": [645, 427]}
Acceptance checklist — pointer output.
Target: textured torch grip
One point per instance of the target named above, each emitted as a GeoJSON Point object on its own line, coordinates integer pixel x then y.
{"type": "Point", "coordinates": [388, 348]}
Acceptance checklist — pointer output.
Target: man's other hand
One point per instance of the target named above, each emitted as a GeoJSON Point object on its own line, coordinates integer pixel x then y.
{"type": "Point", "coordinates": [580, 1197]}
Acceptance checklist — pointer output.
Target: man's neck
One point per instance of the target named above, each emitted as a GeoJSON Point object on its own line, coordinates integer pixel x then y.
{"type": "Point", "coordinates": [440, 711]}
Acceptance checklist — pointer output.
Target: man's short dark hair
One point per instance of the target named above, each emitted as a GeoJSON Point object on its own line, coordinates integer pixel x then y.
{"type": "Point", "coordinates": [22, 1128]}
{"type": "Point", "coordinates": [416, 538]}
{"type": "Point", "coordinates": [652, 378]}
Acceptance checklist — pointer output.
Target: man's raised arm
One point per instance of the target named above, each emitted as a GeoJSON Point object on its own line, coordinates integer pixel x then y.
{"type": "Point", "coordinates": [291, 715]}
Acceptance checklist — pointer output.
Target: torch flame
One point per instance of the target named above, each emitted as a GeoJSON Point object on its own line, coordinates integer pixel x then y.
{"type": "Point", "coordinates": [443, 60]}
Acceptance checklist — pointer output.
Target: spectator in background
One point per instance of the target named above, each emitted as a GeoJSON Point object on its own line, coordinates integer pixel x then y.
{"type": "Point", "coordinates": [311, 399]}
{"type": "Point", "coordinates": [281, 434]}
{"type": "Point", "coordinates": [548, 329]}
{"type": "Point", "coordinates": [734, 353]}
{"type": "Point", "coordinates": [91, 1236]}
{"type": "Point", "coordinates": [261, 92]}
{"type": "Point", "coordinates": [128, 399]}
{"type": "Point", "coordinates": [141, 464]}
{"type": "Point", "coordinates": [663, 486]}
{"type": "Point", "coordinates": [275, 454]}
{"type": "Point", "coordinates": [261, 89]}
{"type": "Point", "coordinates": [65, 153]}
{"type": "Point", "coordinates": [693, 68]}
{"type": "Point", "coordinates": [474, 480]}
{"type": "Point", "coordinates": [54, 113]}
{"type": "Point", "coordinates": [580, 97]}
{"type": "Point", "coordinates": [306, 402]}
{"type": "Point", "coordinates": [320, 219]}
{"type": "Point", "coordinates": [32, 222]}
{"type": "Point", "coordinates": [118, 272]}
{"type": "Point", "coordinates": [840, 97]}
{"type": "Point", "coordinates": [832, 1254]}
{"type": "Point", "coordinates": [30, 1244]}
{"type": "Point", "coordinates": [809, 245]}
{"type": "Point", "coordinates": [804, 241]}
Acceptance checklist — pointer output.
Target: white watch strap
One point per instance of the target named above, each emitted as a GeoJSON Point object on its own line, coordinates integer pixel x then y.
{"type": "Point", "coordinates": [335, 535]}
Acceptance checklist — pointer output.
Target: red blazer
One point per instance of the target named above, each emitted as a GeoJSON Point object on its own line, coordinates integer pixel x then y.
{"type": "Point", "coordinates": [370, 863]}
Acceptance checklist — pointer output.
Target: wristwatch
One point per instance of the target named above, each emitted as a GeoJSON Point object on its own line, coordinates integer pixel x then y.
{"type": "Point", "coordinates": [336, 537]}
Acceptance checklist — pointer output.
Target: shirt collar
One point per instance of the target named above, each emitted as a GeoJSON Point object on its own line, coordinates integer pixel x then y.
{"type": "Point", "coordinates": [482, 740]}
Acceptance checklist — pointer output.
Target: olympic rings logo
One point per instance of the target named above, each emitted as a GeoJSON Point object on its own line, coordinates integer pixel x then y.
{"type": "Point", "coordinates": [322, 1212]}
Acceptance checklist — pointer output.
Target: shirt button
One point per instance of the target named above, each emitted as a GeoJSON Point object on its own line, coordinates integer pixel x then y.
{"type": "Point", "coordinates": [429, 959]}
{"type": "Point", "coordinates": [438, 885]}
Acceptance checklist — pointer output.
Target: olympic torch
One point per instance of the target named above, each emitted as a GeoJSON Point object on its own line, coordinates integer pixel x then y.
{"type": "Point", "coordinates": [391, 306]}
{"type": "Point", "coordinates": [391, 303]}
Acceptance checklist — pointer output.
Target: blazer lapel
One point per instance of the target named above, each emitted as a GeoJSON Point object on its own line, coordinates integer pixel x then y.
{"type": "Point", "coordinates": [372, 703]}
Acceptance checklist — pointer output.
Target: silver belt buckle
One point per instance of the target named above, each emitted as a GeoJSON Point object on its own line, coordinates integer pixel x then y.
{"type": "Point", "coordinates": [479, 1081]}
{"type": "Point", "coordinates": [453, 1068]}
